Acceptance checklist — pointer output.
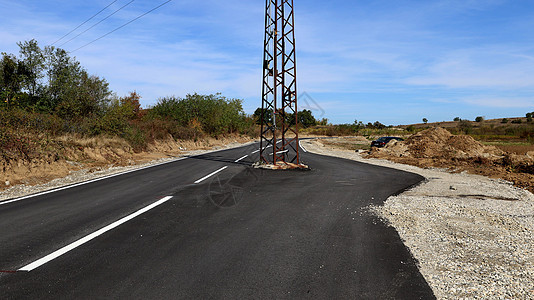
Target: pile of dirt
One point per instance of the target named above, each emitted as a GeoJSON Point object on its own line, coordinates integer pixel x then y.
{"type": "Point", "coordinates": [437, 147]}
{"type": "Point", "coordinates": [438, 143]}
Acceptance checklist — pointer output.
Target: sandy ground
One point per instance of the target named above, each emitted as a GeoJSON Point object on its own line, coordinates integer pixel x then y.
{"type": "Point", "coordinates": [473, 236]}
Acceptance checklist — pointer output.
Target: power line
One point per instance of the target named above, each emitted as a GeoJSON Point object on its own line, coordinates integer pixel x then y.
{"type": "Point", "coordinates": [97, 23]}
{"type": "Point", "coordinates": [122, 26]}
{"type": "Point", "coordinates": [84, 22]}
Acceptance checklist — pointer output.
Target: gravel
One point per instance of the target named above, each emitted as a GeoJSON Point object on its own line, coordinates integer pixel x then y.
{"type": "Point", "coordinates": [473, 236]}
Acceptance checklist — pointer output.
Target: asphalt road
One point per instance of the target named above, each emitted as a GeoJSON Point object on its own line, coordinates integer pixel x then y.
{"type": "Point", "coordinates": [241, 233]}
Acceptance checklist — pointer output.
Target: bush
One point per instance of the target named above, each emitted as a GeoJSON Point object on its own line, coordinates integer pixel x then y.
{"type": "Point", "coordinates": [465, 126]}
{"type": "Point", "coordinates": [215, 114]}
{"type": "Point", "coordinates": [504, 121]}
{"type": "Point", "coordinates": [479, 119]}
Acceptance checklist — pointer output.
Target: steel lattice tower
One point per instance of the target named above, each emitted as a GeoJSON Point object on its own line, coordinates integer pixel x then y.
{"type": "Point", "coordinates": [279, 95]}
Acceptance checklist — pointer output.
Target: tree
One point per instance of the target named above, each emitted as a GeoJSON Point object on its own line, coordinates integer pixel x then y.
{"type": "Point", "coordinates": [378, 125]}
{"type": "Point", "coordinates": [132, 105]}
{"type": "Point", "coordinates": [305, 118]}
{"type": "Point", "coordinates": [504, 121]}
{"type": "Point", "coordinates": [425, 120]}
{"type": "Point", "coordinates": [257, 115]}
{"type": "Point", "coordinates": [457, 119]}
{"type": "Point", "coordinates": [529, 117]}
{"type": "Point", "coordinates": [11, 77]}
{"type": "Point", "coordinates": [479, 119]}
{"type": "Point", "coordinates": [34, 61]}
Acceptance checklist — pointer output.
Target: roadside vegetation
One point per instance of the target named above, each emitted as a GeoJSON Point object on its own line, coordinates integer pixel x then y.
{"type": "Point", "coordinates": [46, 94]}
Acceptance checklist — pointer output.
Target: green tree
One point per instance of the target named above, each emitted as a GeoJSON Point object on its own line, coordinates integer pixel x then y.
{"type": "Point", "coordinates": [34, 61]}
{"type": "Point", "coordinates": [11, 78]}
{"type": "Point", "coordinates": [457, 119]}
{"type": "Point", "coordinates": [305, 118]}
{"type": "Point", "coordinates": [425, 120]}
{"type": "Point", "coordinates": [504, 121]}
{"type": "Point", "coordinates": [257, 115]}
{"type": "Point", "coordinates": [479, 119]}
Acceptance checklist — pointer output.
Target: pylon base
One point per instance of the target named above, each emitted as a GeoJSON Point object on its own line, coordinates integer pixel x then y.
{"type": "Point", "coordinates": [280, 166]}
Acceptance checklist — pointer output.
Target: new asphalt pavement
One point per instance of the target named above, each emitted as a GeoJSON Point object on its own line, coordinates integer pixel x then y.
{"type": "Point", "coordinates": [212, 227]}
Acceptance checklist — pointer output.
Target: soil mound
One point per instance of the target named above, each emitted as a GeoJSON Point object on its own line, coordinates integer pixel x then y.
{"type": "Point", "coordinates": [438, 143]}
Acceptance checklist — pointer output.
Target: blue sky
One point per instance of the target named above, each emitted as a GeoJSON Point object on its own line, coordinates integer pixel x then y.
{"type": "Point", "coordinates": [392, 61]}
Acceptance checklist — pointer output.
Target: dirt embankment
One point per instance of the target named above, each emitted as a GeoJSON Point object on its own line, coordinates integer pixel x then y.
{"type": "Point", "coordinates": [58, 157]}
{"type": "Point", "coordinates": [436, 147]}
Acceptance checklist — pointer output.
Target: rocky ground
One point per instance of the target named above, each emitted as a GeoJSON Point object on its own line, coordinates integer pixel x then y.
{"type": "Point", "coordinates": [473, 236]}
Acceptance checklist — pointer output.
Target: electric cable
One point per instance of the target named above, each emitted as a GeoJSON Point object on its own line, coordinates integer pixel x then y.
{"type": "Point", "coordinates": [97, 23]}
{"type": "Point", "coordinates": [127, 23]}
{"type": "Point", "coordinates": [84, 22]}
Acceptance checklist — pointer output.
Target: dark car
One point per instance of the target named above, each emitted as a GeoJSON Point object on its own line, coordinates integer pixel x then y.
{"type": "Point", "coordinates": [381, 142]}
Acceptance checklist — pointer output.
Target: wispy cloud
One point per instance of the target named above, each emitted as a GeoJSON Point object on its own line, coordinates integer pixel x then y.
{"type": "Point", "coordinates": [357, 58]}
{"type": "Point", "coordinates": [489, 67]}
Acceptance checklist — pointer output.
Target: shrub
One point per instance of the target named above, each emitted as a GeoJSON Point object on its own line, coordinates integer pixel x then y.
{"type": "Point", "coordinates": [215, 114]}
{"type": "Point", "coordinates": [479, 119]}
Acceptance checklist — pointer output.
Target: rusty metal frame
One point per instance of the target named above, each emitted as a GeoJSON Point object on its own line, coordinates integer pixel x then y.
{"type": "Point", "coordinates": [279, 86]}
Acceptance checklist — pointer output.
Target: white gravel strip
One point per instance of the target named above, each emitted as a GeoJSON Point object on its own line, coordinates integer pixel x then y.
{"type": "Point", "coordinates": [473, 236]}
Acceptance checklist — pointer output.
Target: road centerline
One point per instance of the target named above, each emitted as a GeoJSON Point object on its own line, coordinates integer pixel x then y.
{"type": "Point", "coordinates": [238, 160]}
{"type": "Point", "coordinates": [209, 175]}
{"type": "Point", "coordinates": [90, 237]}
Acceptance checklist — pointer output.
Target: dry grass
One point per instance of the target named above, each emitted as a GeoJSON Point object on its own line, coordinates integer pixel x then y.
{"type": "Point", "coordinates": [521, 149]}
{"type": "Point", "coordinates": [93, 142]}
{"type": "Point", "coordinates": [348, 143]}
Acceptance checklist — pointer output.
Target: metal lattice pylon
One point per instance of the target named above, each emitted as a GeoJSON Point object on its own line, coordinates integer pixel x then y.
{"type": "Point", "coordinates": [279, 121]}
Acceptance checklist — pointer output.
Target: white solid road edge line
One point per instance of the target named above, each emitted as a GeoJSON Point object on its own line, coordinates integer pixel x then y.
{"type": "Point", "coordinates": [86, 239]}
{"type": "Point", "coordinates": [302, 147]}
{"type": "Point", "coordinates": [209, 175]}
{"type": "Point", "coordinates": [89, 181]}
{"type": "Point", "coordinates": [241, 158]}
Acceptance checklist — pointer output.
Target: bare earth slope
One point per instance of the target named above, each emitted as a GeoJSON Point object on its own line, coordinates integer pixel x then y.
{"type": "Point", "coordinates": [72, 160]}
{"type": "Point", "coordinates": [472, 235]}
